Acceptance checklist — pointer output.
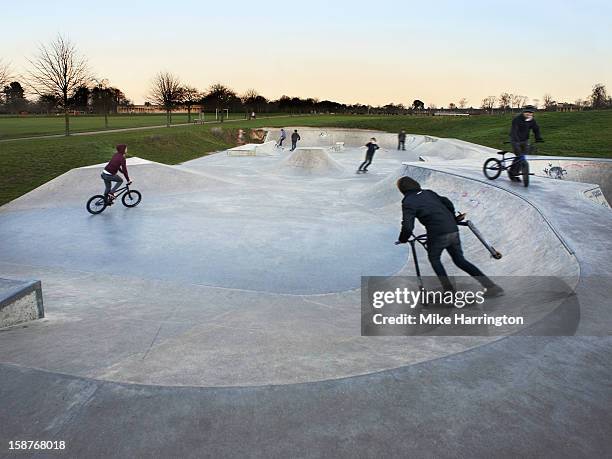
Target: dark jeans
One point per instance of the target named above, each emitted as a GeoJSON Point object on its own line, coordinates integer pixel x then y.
{"type": "Point", "coordinates": [452, 244]}
{"type": "Point", "coordinates": [364, 165]}
{"type": "Point", "coordinates": [401, 145]}
{"type": "Point", "coordinates": [280, 142]}
{"type": "Point", "coordinates": [293, 145]}
{"type": "Point", "coordinates": [107, 182]}
{"type": "Point", "coordinates": [519, 149]}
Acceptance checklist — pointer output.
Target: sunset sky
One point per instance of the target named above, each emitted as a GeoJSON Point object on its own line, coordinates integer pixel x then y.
{"type": "Point", "coordinates": [372, 52]}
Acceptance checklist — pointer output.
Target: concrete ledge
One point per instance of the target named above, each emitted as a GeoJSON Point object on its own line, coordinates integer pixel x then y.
{"type": "Point", "coordinates": [20, 301]}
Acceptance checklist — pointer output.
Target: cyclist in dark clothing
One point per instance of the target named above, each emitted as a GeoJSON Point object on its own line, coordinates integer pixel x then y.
{"type": "Point", "coordinates": [437, 214]}
{"type": "Point", "coordinates": [519, 138]}
{"type": "Point", "coordinates": [401, 140]}
{"type": "Point", "coordinates": [294, 139]}
{"type": "Point", "coordinates": [109, 174]}
{"type": "Point", "coordinates": [371, 146]}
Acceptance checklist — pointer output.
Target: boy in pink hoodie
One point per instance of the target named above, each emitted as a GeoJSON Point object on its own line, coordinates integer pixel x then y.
{"type": "Point", "coordinates": [109, 174]}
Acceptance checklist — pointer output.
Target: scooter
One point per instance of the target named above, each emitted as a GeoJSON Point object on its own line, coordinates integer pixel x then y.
{"type": "Point", "coordinates": [422, 239]}
{"type": "Point", "coordinates": [460, 218]}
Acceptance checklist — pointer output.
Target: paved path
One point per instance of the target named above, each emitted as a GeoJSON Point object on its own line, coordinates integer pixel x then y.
{"type": "Point", "coordinates": [140, 128]}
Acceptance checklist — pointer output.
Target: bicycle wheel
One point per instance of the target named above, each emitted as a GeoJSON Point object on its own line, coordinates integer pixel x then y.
{"type": "Point", "coordinates": [492, 168]}
{"type": "Point", "coordinates": [131, 198]}
{"type": "Point", "coordinates": [525, 172]}
{"type": "Point", "coordinates": [96, 204]}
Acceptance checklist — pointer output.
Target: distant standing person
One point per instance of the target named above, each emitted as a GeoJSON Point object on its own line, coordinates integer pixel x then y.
{"type": "Point", "coordinates": [109, 174]}
{"type": "Point", "coordinates": [294, 139]}
{"type": "Point", "coordinates": [371, 146]}
{"type": "Point", "coordinates": [401, 140]}
{"type": "Point", "coordinates": [519, 138]}
{"type": "Point", "coordinates": [281, 139]}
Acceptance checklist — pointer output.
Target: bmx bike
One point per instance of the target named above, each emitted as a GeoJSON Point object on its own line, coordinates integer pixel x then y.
{"type": "Point", "coordinates": [493, 167]}
{"type": "Point", "coordinates": [129, 198]}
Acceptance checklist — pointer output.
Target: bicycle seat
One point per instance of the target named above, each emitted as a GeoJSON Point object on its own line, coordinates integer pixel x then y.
{"type": "Point", "coordinates": [502, 152]}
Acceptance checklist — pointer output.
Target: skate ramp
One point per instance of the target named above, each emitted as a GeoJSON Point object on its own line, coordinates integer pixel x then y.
{"type": "Point", "coordinates": [596, 171]}
{"type": "Point", "coordinates": [78, 185]}
{"type": "Point", "coordinates": [442, 149]}
{"type": "Point", "coordinates": [495, 212]}
{"type": "Point", "coordinates": [254, 279]}
{"type": "Point", "coordinates": [312, 161]}
{"type": "Point", "coordinates": [351, 138]}
{"type": "Point", "coordinates": [254, 149]}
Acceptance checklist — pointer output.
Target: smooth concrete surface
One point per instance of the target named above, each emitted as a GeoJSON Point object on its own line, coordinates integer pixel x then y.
{"type": "Point", "coordinates": [245, 272]}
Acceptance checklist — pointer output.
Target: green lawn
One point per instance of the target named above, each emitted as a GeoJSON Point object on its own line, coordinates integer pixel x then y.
{"type": "Point", "coordinates": [586, 133]}
{"type": "Point", "coordinates": [27, 164]}
{"type": "Point", "coordinates": [30, 126]}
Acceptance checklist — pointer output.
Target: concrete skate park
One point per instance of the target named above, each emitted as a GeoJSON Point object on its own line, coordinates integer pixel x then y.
{"type": "Point", "coordinates": [224, 310]}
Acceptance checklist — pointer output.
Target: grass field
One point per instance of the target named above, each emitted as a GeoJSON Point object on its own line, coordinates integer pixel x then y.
{"type": "Point", "coordinates": [27, 164]}
{"type": "Point", "coordinates": [30, 126]}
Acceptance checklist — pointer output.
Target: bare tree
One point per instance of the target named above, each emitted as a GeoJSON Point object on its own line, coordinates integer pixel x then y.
{"type": "Point", "coordinates": [599, 96]}
{"type": "Point", "coordinates": [463, 103]}
{"type": "Point", "coordinates": [505, 100]}
{"type": "Point", "coordinates": [191, 96]}
{"type": "Point", "coordinates": [59, 70]}
{"type": "Point", "coordinates": [488, 103]}
{"type": "Point", "coordinates": [6, 75]}
{"type": "Point", "coordinates": [548, 101]}
{"type": "Point", "coordinates": [167, 92]}
{"type": "Point", "coordinates": [249, 96]}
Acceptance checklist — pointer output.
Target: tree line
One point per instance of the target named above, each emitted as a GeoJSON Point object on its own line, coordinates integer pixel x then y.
{"type": "Point", "coordinates": [598, 99]}
{"type": "Point", "coordinates": [62, 82]}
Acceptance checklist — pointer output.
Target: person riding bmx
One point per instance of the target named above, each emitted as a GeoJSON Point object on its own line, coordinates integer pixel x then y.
{"type": "Point", "coordinates": [519, 138]}
{"type": "Point", "coordinates": [109, 174]}
{"type": "Point", "coordinates": [437, 214]}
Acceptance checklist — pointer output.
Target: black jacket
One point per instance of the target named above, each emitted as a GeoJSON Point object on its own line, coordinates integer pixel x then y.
{"type": "Point", "coordinates": [520, 129]}
{"type": "Point", "coordinates": [436, 213]}
{"type": "Point", "coordinates": [401, 136]}
{"type": "Point", "coordinates": [372, 147]}
{"type": "Point", "coordinates": [295, 137]}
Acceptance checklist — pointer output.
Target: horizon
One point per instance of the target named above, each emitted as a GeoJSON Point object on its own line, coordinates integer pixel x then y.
{"type": "Point", "coordinates": [393, 54]}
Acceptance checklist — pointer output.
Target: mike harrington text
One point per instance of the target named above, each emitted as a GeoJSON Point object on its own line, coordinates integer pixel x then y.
{"type": "Point", "coordinates": [437, 319]}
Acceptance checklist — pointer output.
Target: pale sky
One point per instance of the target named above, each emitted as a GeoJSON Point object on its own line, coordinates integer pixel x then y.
{"type": "Point", "coordinates": [371, 52]}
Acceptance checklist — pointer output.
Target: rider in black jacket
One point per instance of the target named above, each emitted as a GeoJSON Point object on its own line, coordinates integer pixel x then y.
{"type": "Point", "coordinates": [519, 137]}
{"type": "Point", "coordinates": [437, 214]}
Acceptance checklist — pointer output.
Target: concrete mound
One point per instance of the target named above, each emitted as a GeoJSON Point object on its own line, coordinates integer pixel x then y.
{"type": "Point", "coordinates": [311, 161]}
{"type": "Point", "coordinates": [79, 184]}
{"type": "Point", "coordinates": [442, 149]}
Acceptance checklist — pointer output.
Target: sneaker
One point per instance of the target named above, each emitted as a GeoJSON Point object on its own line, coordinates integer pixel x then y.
{"type": "Point", "coordinates": [494, 291]}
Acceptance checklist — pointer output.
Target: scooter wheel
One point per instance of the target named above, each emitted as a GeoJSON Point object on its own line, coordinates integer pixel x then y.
{"type": "Point", "coordinates": [497, 255]}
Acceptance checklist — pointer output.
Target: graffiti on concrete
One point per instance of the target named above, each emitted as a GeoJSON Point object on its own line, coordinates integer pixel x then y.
{"type": "Point", "coordinates": [555, 172]}
{"type": "Point", "coordinates": [597, 196]}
